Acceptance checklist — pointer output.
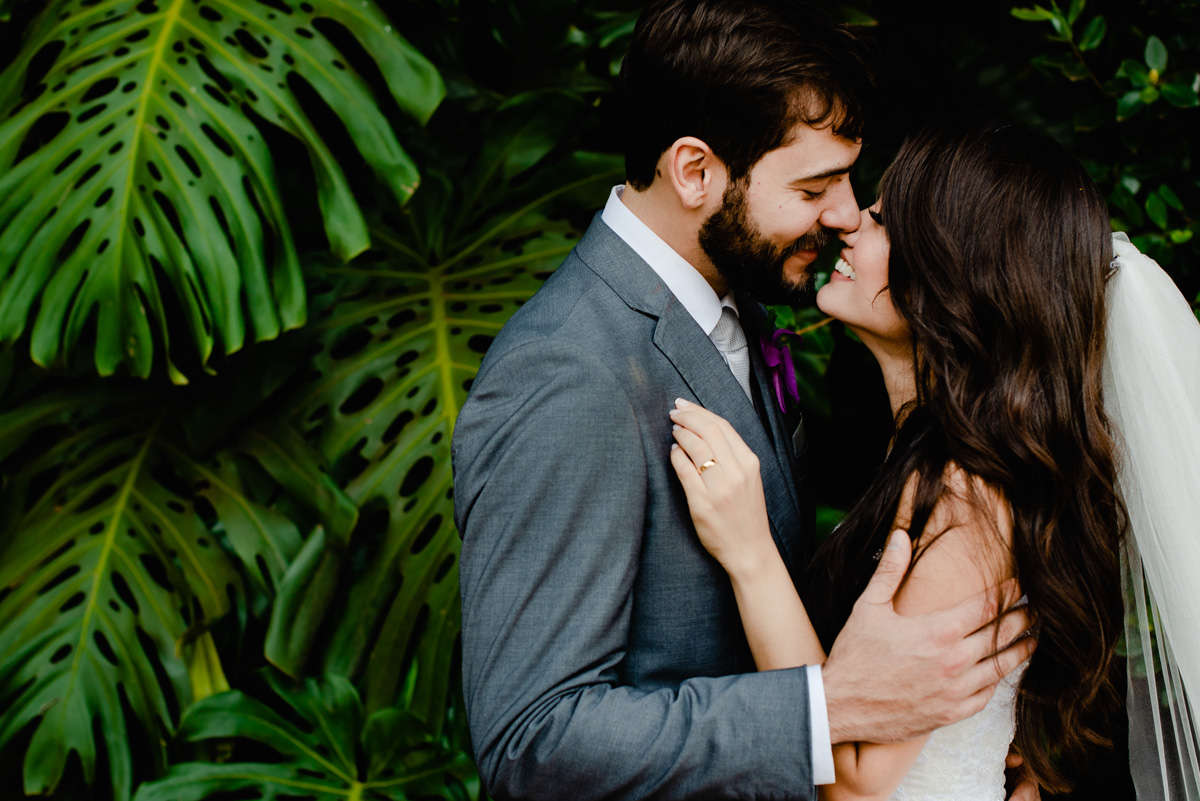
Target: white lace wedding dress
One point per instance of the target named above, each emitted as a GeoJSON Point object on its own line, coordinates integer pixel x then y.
{"type": "Point", "coordinates": [965, 761]}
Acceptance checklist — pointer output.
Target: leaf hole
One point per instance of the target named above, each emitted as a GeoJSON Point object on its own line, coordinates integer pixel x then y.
{"type": "Point", "coordinates": [366, 392]}
{"type": "Point", "coordinates": [186, 156]}
{"type": "Point", "coordinates": [426, 534]}
{"type": "Point", "coordinates": [156, 570]}
{"type": "Point", "coordinates": [417, 475]}
{"type": "Point", "coordinates": [105, 649]}
{"type": "Point", "coordinates": [397, 425]}
{"type": "Point", "coordinates": [480, 343]}
{"type": "Point", "coordinates": [252, 45]}
{"type": "Point", "coordinates": [99, 496]}
{"type": "Point", "coordinates": [99, 89]}
{"type": "Point", "coordinates": [444, 568]}
{"type": "Point", "coordinates": [121, 586]}
{"type": "Point", "coordinates": [59, 655]}
{"type": "Point", "coordinates": [350, 343]}
{"type": "Point", "coordinates": [88, 174]}
{"type": "Point", "coordinates": [72, 602]}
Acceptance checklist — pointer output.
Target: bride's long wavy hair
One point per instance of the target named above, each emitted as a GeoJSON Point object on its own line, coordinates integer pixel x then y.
{"type": "Point", "coordinates": [1000, 253]}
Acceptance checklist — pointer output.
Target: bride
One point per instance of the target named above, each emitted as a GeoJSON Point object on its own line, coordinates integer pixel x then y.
{"type": "Point", "coordinates": [1013, 346]}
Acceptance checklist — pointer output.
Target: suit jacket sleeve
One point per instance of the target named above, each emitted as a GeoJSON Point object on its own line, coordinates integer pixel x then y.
{"type": "Point", "coordinates": [550, 495]}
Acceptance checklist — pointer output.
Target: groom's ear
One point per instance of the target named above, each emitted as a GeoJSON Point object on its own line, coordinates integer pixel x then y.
{"type": "Point", "coordinates": [694, 172]}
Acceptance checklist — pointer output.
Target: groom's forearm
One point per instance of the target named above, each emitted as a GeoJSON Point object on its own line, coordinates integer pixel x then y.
{"type": "Point", "coordinates": [733, 736]}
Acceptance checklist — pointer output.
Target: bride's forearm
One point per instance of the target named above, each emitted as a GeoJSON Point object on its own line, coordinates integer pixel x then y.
{"type": "Point", "coordinates": [781, 635]}
{"type": "Point", "coordinates": [777, 626]}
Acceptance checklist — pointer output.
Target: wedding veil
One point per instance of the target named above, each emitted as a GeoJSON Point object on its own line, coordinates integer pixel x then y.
{"type": "Point", "coordinates": [1152, 396]}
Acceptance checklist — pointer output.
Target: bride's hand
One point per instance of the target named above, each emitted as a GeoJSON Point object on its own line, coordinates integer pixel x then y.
{"type": "Point", "coordinates": [721, 478]}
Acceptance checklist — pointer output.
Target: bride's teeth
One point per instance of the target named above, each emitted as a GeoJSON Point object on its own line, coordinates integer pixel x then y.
{"type": "Point", "coordinates": [845, 269]}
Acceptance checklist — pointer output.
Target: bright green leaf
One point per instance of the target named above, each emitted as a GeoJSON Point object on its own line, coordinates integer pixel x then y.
{"type": "Point", "coordinates": [1156, 54]}
{"type": "Point", "coordinates": [1180, 235]}
{"type": "Point", "coordinates": [1156, 210]}
{"type": "Point", "coordinates": [1061, 27]}
{"type": "Point", "coordinates": [1075, 10]}
{"type": "Point", "coordinates": [152, 213]}
{"type": "Point", "coordinates": [1093, 34]}
{"type": "Point", "coordinates": [1148, 95]}
{"type": "Point", "coordinates": [1131, 183]}
{"type": "Point", "coordinates": [1129, 104]}
{"type": "Point", "coordinates": [1035, 14]}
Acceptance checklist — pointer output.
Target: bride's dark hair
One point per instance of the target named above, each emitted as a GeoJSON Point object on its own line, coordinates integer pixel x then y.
{"type": "Point", "coordinates": [1000, 251]}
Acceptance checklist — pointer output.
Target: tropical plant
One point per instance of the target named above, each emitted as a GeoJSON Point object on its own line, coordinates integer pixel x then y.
{"type": "Point", "coordinates": [325, 748]}
{"type": "Point", "coordinates": [293, 504]}
{"type": "Point", "coordinates": [139, 196]}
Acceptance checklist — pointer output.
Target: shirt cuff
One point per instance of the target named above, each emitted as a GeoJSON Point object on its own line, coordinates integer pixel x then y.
{"type": "Point", "coordinates": [818, 718]}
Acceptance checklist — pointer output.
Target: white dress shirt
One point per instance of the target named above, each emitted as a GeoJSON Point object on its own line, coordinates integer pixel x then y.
{"type": "Point", "coordinates": [702, 303]}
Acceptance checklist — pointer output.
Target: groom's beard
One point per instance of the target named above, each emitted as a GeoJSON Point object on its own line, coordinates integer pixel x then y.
{"type": "Point", "coordinates": [747, 261]}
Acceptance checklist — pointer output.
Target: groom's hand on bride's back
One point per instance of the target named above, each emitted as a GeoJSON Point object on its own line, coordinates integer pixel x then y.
{"type": "Point", "coordinates": [891, 677]}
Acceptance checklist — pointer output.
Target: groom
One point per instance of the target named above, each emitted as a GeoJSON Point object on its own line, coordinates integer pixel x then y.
{"type": "Point", "coordinates": [603, 657]}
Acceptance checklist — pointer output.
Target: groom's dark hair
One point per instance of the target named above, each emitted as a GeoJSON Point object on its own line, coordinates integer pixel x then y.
{"type": "Point", "coordinates": [740, 75]}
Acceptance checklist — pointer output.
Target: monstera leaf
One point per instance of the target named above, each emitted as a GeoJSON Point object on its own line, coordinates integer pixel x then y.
{"type": "Point", "coordinates": [139, 200]}
{"type": "Point", "coordinates": [109, 577]}
{"type": "Point", "coordinates": [399, 339]}
{"type": "Point", "coordinates": [326, 747]}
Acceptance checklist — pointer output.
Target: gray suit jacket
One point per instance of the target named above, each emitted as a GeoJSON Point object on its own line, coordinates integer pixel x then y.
{"type": "Point", "coordinates": [603, 657]}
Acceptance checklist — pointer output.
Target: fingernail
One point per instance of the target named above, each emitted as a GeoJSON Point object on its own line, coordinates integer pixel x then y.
{"type": "Point", "coordinates": [674, 446]}
{"type": "Point", "coordinates": [681, 403]}
{"type": "Point", "coordinates": [676, 427]}
{"type": "Point", "coordinates": [894, 542]}
{"type": "Point", "coordinates": [672, 412]}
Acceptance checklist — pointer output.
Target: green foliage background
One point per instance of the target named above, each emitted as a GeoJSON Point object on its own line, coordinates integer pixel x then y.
{"type": "Point", "coordinates": [250, 256]}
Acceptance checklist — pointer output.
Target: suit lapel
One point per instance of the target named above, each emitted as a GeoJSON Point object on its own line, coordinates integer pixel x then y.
{"type": "Point", "coordinates": [696, 358]}
{"type": "Point", "coordinates": [681, 340]}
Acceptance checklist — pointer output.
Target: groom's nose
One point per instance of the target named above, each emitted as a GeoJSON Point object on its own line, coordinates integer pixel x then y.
{"type": "Point", "coordinates": [842, 212]}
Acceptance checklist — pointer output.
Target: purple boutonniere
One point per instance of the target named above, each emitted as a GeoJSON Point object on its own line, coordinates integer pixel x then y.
{"type": "Point", "coordinates": [778, 358]}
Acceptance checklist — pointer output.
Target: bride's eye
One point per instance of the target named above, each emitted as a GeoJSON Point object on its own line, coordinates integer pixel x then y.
{"type": "Point", "coordinates": [876, 216]}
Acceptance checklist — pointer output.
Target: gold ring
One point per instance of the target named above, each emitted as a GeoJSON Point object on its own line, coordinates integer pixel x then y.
{"type": "Point", "coordinates": [706, 465]}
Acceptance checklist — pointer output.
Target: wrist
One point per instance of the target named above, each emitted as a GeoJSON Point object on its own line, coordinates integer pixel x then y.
{"type": "Point", "coordinates": [836, 706]}
{"type": "Point", "coordinates": [753, 563]}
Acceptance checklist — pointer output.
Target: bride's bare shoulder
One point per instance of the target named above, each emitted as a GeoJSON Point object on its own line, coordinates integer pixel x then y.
{"type": "Point", "coordinates": [965, 547]}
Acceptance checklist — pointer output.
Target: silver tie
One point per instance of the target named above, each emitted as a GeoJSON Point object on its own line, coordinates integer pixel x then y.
{"type": "Point", "coordinates": [727, 335]}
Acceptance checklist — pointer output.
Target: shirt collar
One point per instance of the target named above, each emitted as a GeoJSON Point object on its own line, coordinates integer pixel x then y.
{"type": "Point", "coordinates": [685, 281]}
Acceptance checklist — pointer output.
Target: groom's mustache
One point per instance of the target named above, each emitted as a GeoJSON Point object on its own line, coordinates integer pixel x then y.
{"type": "Point", "coordinates": [815, 239]}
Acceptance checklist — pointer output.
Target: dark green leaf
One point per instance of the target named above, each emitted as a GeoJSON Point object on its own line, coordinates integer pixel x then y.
{"type": "Point", "coordinates": [1181, 95]}
{"type": "Point", "coordinates": [1135, 71]}
{"type": "Point", "coordinates": [335, 755]}
{"type": "Point", "coordinates": [1125, 201]}
{"type": "Point", "coordinates": [1093, 34]}
{"type": "Point", "coordinates": [1156, 210]}
{"type": "Point", "coordinates": [1129, 104]}
{"type": "Point", "coordinates": [850, 15]}
{"type": "Point", "coordinates": [1170, 198]}
{"type": "Point", "coordinates": [159, 194]}
{"type": "Point", "coordinates": [1156, 54]}
{"type": "Point", "coordinates": [1075, 10]}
